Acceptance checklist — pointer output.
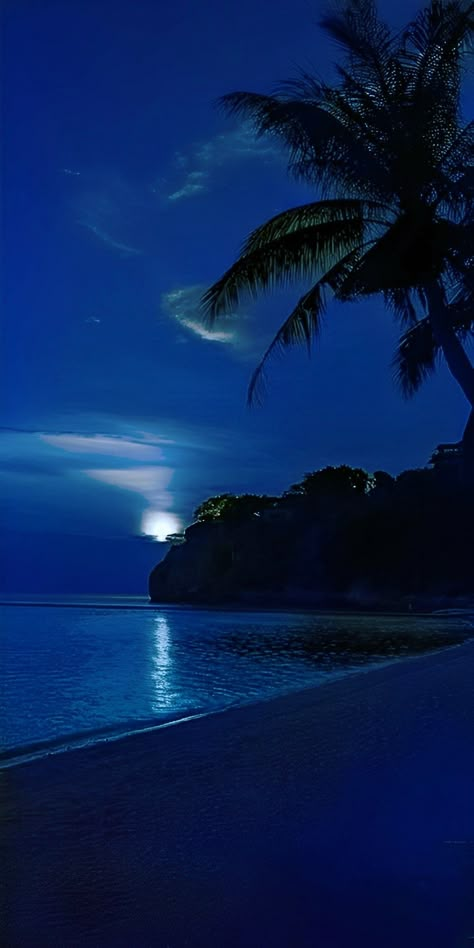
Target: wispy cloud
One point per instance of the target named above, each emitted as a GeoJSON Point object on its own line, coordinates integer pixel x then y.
{"type": "Point", "coordinates": [137, 468]}
{"type": "Point", "coordinates": [52, 466]}
{"type": "Point", "coordinates": [195, 170]}
{"type": "Point", "coordinates": [107, 238]}
{"type": "Point", "coordinates": [195, 182]}
{"type": "Point", "coordinates": [136, 463]}
{"type": "Point", "coordinates": [105, 445]}
{"type": "Point", "coordinates": [108, 436]}
{"type": "Point", "coordinates": [182, 304]}
{"type": "Point", "coordinates": [151, 482]}
{"type": "Point", "coordinates": [110, 209]}
{"type": "Point", "coordinates": [243, 334]}
{"type": "Point", "coordinates": [236, 144]}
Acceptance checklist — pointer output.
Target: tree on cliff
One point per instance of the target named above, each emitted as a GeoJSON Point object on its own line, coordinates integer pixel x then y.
{"type": "Point", "coordinates": [393, 160]}
{"type": "Point", "coordinates": [334, 482]}
{"type": "Point", "coordinates": [232, 507]}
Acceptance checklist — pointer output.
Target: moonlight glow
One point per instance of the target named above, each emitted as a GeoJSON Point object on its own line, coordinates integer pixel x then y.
{"type": "Point", "coordinates": [159, 524]}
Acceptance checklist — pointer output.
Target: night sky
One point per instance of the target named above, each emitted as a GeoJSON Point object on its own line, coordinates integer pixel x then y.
{"type": "Point", "coordinates": [125, 194]}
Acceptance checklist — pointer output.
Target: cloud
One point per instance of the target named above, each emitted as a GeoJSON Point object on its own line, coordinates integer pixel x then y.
{"type": "Point", "coordinates": [183, 304]}
{"type": "Point", "coordinates": [105, 445]}
{"type": "Point", "coordinates": [243, 334]}
{"type": "Point", "coordinates": [106, 238]}
{"type": "Point", "coordinates": [137, 461]}
{"type": "Point", "coordinates": [150, 482]}
{"type": "Point", "coordinates": [110, 209]}
{"type": "Point", "coordinates": [106, 436]}
{"type": "Point", "coordinates": [42, 472]}
{"type": "Point", "coordinates": [197, 168]}
{"type": "Point", "coordinates": [236, 144]}
{"type": "Point", "coordinates": [136, 470]}
{"type": "Point", "coordinates": [195, 182]}
{"type": "Point", "coordinates": [143, 479]}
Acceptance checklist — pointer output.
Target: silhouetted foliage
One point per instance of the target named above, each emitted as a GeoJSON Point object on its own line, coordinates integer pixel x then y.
{"type": "Point", "coordinates": [383, 481]}
{"type": "Point", "coordinates": [340, 535]}
{"type": "Point", "coordinates": [334, 482]}
{"type": "Point", "coordinates": [232, 506]}
{"type": "Point", "coordinates": [390, 158]}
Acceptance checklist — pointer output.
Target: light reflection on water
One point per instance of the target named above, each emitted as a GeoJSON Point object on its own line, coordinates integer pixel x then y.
{"type": "Point", "coordinates": [162, 666]}
{"type": "Point", "coordinates": [69, 671]}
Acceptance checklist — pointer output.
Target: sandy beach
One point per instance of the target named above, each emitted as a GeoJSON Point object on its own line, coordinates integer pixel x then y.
{"type": "Point", "coordinates": [339, 816]}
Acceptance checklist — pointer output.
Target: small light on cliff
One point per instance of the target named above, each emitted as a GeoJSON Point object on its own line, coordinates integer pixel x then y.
{"type": "Point", "coordinates": [159, 524]}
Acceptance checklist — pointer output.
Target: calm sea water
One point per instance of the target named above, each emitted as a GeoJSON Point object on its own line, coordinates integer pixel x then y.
{"type": "Point", "coordinates": [90, 670]}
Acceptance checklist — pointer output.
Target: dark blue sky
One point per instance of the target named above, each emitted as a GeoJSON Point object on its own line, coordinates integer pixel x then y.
{"type": "Point", "coordinates": [124, 193]}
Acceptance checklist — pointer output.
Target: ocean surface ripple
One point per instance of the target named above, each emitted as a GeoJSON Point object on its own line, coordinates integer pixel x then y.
{"type": "Point", "coordinates": [105, 669]}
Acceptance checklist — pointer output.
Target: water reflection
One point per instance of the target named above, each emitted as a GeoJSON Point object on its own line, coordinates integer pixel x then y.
{"type": "Point", "coordinates": [335, 646]}
{"type": "Point", "coordinates": [162, 665]}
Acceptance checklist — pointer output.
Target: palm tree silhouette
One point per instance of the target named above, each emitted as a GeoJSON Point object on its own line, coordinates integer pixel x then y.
{"type": "Point", "coordinates": [392, 159]}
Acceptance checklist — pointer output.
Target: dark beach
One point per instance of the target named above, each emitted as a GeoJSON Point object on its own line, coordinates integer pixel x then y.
{"type": "Point", "coordinates": [338, 816]}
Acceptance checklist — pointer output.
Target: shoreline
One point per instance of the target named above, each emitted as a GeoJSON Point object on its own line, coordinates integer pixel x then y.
{"type": "Point", "coordinates": [73, 743]}
{"type": "Point", "coordinates": [287, 608]}
{"type": "Point", "coordinates": [338, 815]}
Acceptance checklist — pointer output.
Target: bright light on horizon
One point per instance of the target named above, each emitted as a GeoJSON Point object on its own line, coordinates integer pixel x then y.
{"type": "Point", "coordinates": [159, 524]}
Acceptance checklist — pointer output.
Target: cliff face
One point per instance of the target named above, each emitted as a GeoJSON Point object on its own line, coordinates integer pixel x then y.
{"type": "Point", "coordinates": [389, 551]}
{"type": "Point", "coordinates": [222, 561]}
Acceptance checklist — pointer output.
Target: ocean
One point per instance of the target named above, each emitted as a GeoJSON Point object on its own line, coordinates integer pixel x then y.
{"type": "Point", "coordinates": [91, 669]}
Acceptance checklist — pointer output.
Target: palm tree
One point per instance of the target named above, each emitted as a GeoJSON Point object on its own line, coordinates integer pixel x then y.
{"type": "Point", "coordinates": [392, 161]}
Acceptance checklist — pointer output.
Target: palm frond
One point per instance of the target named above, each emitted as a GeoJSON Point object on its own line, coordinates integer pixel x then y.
{"type": "Point", "coordinates": [312, 215]}
{"type": "Point", "coordinates": [320, 140]}
{"type": "Point", "coordinates": [294, 256]}
{"type": "Point", "coordinates": [436, 44]}
{"type": "Point", "coordinates": [266, 112]}
{"type": "Point", "coordinates": [304, 87]}
{"type": "Point", "coordinates": [302, 325]}
{"type": "Point", "coordinates": [400, 301]}
{"type": "Point", "coordinates": [461, 304]}
{"type": "Point", "coordinates": [366, 40]}
{"type": "Point", "coordinates": [459, 254]}
{"type": "Point", "coordinates": [439, 37]}
{"type": "Point", "coordinates": [440, 32]}
{"type": "Point", "coordinates": [417, 353]}
{"type": "Point", "coordinates": [432, 57]}
{"type": "Point", "coordinates": [304, 322]}
{"type": "Point", "coordinates": [453, 178]}
{"type": "Point", "coordinates": [415, 358]}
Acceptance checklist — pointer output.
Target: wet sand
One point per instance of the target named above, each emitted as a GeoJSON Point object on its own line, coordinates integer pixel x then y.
{"type": "Point", "coordinates": [340, 816]}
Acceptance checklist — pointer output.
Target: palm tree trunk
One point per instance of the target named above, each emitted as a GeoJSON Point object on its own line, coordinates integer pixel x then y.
{"type": "Point", "coordinates": [457, 359]}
